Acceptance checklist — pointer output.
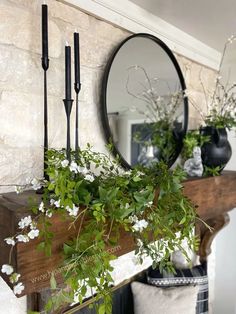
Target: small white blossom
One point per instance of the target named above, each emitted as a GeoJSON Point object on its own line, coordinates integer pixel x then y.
{"type": "Point", "coordinates": [64, 163]}
{"type": "Point", "coordinates": [83, 170]}
{"type": "Point", "coordinates": [139, 243]}
{"type": "Point", "coordinates": [57, 203]}
{"type": "Point", "coordinates": [149, 204]}
{"type": "Point", "coordinates": [74, 167]}
{"type": "Point", "coordinates": [34, 233]}
{"type": "Point", "coordinates": [72, 211]}
{"type": "Point", "coordinates": [17, 289]}
{"type": "Point", "coordinates": [52, 201]}
{"type": "Point", "coordinates": [25, 222]}
{"type": "Point", "coordinates": [7, 269]}
{"type": "Point", "coordinates": [10, 241]}
{"type": "Point", "coordinates": [49, 213]}
{"type": "Point", "coordinates": [19, 189]}
{"type": "Point", "coordinates": [140, 225]}
{"type": "Point", "coordinates": [139, 173]}
{"type": "Point", "coordinates": [22, 238]}
{"type": "Point", "coordinates": [127, 206]}
{"type": "Point", "coordinates": [133, 219]}
{"type": "Point", "coordinates": [89, 178]}
{"type": "Point", "coordinates": [41, 207]}
{"type": "Point", "coordinates": [36, 184]}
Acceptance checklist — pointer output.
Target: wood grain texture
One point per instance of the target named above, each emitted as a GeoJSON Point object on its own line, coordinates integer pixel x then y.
{"type": "Point", "coordinates": [213, 196]}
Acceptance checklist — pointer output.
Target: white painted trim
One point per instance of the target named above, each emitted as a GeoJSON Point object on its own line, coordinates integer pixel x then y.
{"type": "Point", "coordinates": [133, 18]}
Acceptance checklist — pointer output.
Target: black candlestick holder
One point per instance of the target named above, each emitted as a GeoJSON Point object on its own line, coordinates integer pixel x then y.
{"type": "Point", "coordinates": [68, 106]}
{"type": "Point", "coordinates": [45, 65]}
{"type": "Point", "coordinates": [77, 88]}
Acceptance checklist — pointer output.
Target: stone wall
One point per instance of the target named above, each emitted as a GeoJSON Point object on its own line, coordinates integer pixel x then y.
{"type": "Point", "coordinates": [21, 91]}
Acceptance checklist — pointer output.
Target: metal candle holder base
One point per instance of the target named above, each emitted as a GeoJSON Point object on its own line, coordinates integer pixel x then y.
{"type": "Point", "coordinates": [68, 106]}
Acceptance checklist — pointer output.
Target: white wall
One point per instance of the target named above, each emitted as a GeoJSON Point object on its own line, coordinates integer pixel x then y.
{"type": "Point", "coordinates": [225, 255]}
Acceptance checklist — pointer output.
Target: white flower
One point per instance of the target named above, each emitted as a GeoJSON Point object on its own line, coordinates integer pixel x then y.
{"type": "Point", "coordinates": [74, 167]}
{"type": "Point", "coordinates": [36, 184]}
{"type": "Point", "coordinates": [139, 173]}
{"type": "Point", "coordinates": [19, 189]}
{"type": "Point", "coordinates": [49, 213]}
{"type": "Point", "coordinates": [24, 222]}
{"type": "Point", "coordinates": [34, 233]}
{"type": "Point", "coordinates": [83, 170]}
{"type": "Point", "coordinates": [57, 203]}
{"type": "Point", "coordinates": [139, 243]}
{"type": "Point", "coordinates": [127, 206]}
{"type": "Point", "coordinates": [72, 211]}
{"type": "Point", "coordinates": [17, 289]}
{"type": "Point", "coordinates": [10, 241]}
{"type": "Point", "coordinates": [65, 163]}
{"type": "Point", "coordinates": [149, 204]}
{"type": "Point", "coordinates": [22, 238]}
{"type": "Point", "coordinates": [89, 178]}
{"type": "Point", "coordinates": [8, 269]}
{"type": "Point", "coordinates": [41, 207]}
{"type": "Point", "coordinates": [140, 225]}
{"type": "Point", "coordinates": [52, 201]}
{"type": "Point", "coordinates": [133, 218]}
{"type": "Point", "coordinates": [14, 277]}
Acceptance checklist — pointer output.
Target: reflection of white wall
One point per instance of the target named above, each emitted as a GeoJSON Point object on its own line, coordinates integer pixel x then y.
{"type": "Point", "coordinates": [124, 134]}
{"type": "Point", "coordinates": [144, 53]}
{"type": "Point", "coordinates": [225, 254]}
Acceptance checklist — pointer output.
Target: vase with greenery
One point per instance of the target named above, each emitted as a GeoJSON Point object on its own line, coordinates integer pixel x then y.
{"type": "Point", "coordinates": [218, 117]}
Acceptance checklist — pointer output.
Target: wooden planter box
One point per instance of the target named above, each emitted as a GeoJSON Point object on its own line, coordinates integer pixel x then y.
{"type": "Point", "coordinates": [214, 196]}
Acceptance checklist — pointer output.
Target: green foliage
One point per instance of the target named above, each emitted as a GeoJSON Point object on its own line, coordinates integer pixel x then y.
{"type": "Point", "coordinates": [212, 172]}
{"type": "Point", "coordinates": [192, 139]}
{"type": "Point", "coordinates": [101, 199]}
{"type": "Point", "coordinates": [226, 120]}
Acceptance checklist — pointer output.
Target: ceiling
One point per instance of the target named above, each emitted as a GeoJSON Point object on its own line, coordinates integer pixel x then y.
{"type": "Point", "coordinates": [210, 21]}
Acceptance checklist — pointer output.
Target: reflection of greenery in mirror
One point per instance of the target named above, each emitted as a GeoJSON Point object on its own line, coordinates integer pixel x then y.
{"type": "Point", "coordinates": [158, 134]}
{"type": "Point", "coordinates": [143, 109]}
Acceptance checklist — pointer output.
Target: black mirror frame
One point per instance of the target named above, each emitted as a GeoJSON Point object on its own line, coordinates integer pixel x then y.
{"type": "Point", "coordinates": [104, 116]}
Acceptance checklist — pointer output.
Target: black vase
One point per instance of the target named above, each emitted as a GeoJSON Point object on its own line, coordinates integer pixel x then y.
{"type": "Point", "coordinates": [216, 152]}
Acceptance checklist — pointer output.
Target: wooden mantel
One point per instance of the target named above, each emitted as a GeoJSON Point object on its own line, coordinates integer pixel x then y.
{"type": "Point", "coordinates": [214, 197]}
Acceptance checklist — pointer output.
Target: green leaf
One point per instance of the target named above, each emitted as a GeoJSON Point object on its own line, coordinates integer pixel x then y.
{"type": "Point", "coordinates": [137, 179]}
{"type": "Point", "coordinates": [41, 246]}
{"type": "Point", "coordinates": [68, 250]}
{"type": "Point", "coordinates": [53, 283]}
{"type": "Point", "coordinates": [102, 309]}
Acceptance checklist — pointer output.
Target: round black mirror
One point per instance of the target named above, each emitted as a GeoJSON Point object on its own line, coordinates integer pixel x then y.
{"type": "Point", "coordinates": [144, 111]}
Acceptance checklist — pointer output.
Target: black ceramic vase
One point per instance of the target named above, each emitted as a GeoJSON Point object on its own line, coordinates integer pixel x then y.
{"type": "Point", "coordinates": [216, 152]}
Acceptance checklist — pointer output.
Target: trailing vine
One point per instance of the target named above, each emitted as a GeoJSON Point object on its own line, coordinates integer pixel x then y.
{"type": "Point", "coordinates": [101, 199]}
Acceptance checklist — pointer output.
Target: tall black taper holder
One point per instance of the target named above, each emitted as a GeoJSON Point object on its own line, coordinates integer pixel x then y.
{"type": "Point", "coordinates": [45, 66]}
{"type": "Point", "coordinates": [68, 106]}
{"type": "Point", "coordinates": [77, 87]}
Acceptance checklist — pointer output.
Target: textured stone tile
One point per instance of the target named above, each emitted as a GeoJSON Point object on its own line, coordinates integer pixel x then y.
{"type": "Point", "coordinates": [19, 165]}
{"type": "Point", "coordinates": [108, 31]}
{"type": "Point", "coordinates": [23, 30]}
{"type": "Point", "coordinates": [69, 14]}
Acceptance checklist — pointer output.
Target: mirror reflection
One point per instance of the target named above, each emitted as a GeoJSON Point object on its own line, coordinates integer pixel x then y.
{"type": "Point", "coordinates": [145, 107]}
